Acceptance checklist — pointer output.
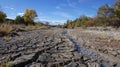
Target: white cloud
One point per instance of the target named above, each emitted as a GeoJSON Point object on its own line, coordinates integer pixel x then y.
{"type": "Point", "coordinates": [62, 14]}
{"type": "Point", "coordinates": [52, 21]}
{"type": "Point", "coordinates": [57, 7]}
{"type": "Point", "coordinates": [10, 8]}
{"type": "Point", "coordinates": [21, 14]}
{"type": "Point", "coordinates": [11, 17]}
{"type": "Point", "coordinates": [56, 22]}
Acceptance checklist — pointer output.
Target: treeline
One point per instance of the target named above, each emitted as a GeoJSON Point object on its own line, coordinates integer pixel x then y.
{"type": "Point", "coordinates": [106, 16]}
{"type": "Point", "coordinates": [27, 19]}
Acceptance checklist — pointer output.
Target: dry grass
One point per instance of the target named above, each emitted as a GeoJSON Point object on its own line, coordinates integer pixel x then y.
{"type": "Point", "coordinates": [5, 63]}
{"type": "Point", "coordinates": [5, 29]}
{"type": "Point", "coordinates": [7, 38]}
{"type": "Point", "coordinates": [31, 27]}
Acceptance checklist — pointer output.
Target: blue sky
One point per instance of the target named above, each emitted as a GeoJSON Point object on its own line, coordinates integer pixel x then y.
{"type": "Point", "coordinates": [54, 11]}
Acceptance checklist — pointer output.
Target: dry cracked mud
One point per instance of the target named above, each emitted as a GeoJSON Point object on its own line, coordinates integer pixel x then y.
{"type": "Point", "coordinates": [52, 48]}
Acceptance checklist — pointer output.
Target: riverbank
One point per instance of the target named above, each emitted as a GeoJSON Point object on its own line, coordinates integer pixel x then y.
{"type": "Point", "coordinates": [54, 48]}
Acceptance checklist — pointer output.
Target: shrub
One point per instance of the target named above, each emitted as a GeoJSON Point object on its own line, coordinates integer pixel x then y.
{"type": "Point", "coordinates": [5, 29]}
{"type": "Point", "coordinates": [2, 17]}
{"type": "Point", "coordinates": [88, 23]}
{"type": "Point", "coordinates": [33, 27]}
{"type": "Point", "coordinates": [5, 63]}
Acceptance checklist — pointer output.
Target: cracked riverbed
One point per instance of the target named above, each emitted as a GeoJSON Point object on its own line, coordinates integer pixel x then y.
{"type": "Point", "coordinates": [49, 48]}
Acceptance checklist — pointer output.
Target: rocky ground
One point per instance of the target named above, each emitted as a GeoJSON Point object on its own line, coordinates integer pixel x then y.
{"type": "Point", "coordinates": [59, 48]}
{"type": "Point", "coordinates": [103, 41]}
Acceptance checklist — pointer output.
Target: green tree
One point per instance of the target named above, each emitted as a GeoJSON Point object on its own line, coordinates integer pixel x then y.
{"type": "Point", "coordinates": [29, 16]}
{"type": "Point", "coordinates": [19, 20]}
{"type": "Point", "coordinates": [77, 23]}
{"type": "Point", "coordinates": [2, 17]}
{"type": "Point", "coordinates": [83, 19]}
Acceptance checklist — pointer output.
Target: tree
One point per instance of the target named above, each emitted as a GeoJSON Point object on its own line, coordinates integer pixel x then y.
{"type": "Point", "coordinates": [77, 22]}
{"type": "Point", "coordinates": [2, 15]}
{"type": "Point", "coordinates": [29, 16]}
{"type": "Point", "coordinates": [116, 4]}
{"type": "Point", "coordinates": [89, 22]}
{"type": "Point", "coordinates": [69, 24]}
{"type": "Point", "coordinates": [116, 21]}
{"type": "Point", "coordinates": [47, 23]}
{"type": "Point", "coordinates": [117, 12]}
{"type": "Point", "coordinates": [105, 11]}
{"type": "Point", "coordinates": [19, 20]}
{"type": "Point", "coordinates": [83, 19]}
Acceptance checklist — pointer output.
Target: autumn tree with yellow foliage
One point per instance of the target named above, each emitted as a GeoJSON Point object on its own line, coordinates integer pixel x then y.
{"type": "Point", "coordinates": [29, 16]}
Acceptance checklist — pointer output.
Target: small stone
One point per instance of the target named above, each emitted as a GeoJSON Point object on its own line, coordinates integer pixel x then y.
{"type": "Point", "coordinates": [118, 56]}
{"type": "Point", "coordinates": [118, 51]}
{"type": "Point", "coordinates": [94, 64]}
{"type": "Point", "coordinates": [34, 65]}
{"type": "Point", "coordinates": [114, 53]}
{"type": "Point", "coordinates": [43, 58]}
{"type": "Point", "coordinates": [73, 64]}
{"type": "Point", "coordinates": [84, 58]}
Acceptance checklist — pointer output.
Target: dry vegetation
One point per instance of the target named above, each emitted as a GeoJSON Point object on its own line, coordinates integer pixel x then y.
{"type": "Point", "coordinates": [33, 27]}
{"type": "Point", "coordinates": [5, 29]}
{"type": "Point", "coordinates": [5, 63]}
